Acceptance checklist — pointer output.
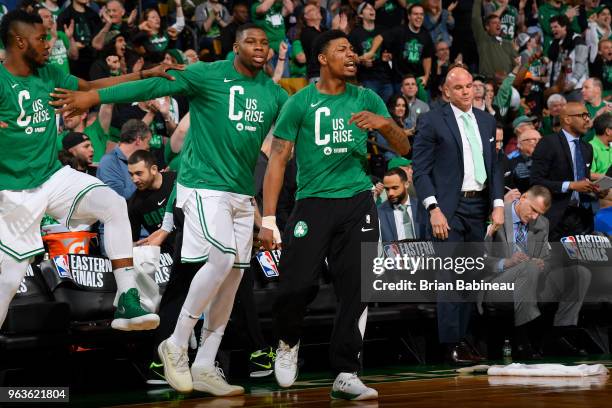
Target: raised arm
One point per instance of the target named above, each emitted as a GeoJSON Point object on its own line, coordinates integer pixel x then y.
{"type": "Point", "coordinates": [178, 137]}
{"type": "Point", "coordinates": [158, 71]}
{"type": "Point", "coordinates": [273, 182]}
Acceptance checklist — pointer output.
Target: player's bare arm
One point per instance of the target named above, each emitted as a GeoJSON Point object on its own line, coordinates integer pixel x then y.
{"type": "Point", "coordinates": [273, 182]}
{"type": "Point", "coordinates": [386, 126]}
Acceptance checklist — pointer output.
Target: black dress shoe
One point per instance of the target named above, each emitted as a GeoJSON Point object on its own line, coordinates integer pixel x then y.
{"type": "Point", "coordinates": [460, 354]}
{"type": "Point", "coordinates": [524, 352]}
{"type": "Point", "coordinates": [562, 346]}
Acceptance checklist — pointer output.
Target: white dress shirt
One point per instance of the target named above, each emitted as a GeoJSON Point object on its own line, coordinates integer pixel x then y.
{"type": "Point", "coordinates": [399, 219]}
{"type": "Point", "coordinates": [469, 176]}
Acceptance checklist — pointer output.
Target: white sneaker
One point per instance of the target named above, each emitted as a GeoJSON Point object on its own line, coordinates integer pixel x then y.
{"type": "Point", "coordinates": [176, 366]}
{"type": "Point", "coordinates": [212, 380]}
{"type": "Point", "coordinates": [285, 365]}
{"type": "Point", "coordinates": [348, 386]}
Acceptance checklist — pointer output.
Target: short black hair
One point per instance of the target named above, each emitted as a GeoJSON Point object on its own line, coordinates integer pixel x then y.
{"type": "Point", "coordinates": [561, 19]}
{"type": "Point", "coordinates": [410, 7]}
{"type": "Point", "coordinates": [397, 171]}
{"type": "Point", "coordinates": [13, 18]}
{"type": "Point", "coordinates": [489, 18]}
{"type": "Point", "coordinates": [143, 155]}
{"type": "Point", "coordinates": [602, 122]}
{"type": "Point", "coordinates": [247, 26]}
{"type": "Point", "coordinates": [322, 41]}
{"type": "Point", "coordinates": [133, 129]}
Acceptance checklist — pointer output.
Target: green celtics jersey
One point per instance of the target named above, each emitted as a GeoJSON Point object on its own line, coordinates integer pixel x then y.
{"type": "Point", "coordinates": [273, 23]}
{"type": "Point", "coordinates": [58, 55]}
{"type": "Point", "coordinates": [331, 154]}
{"type": "Point", "coordinates": [29, 156]}
{"type": "Point", "coordinates": [509, 22]}
{"type": "Point", "coordinates": [231, 114]}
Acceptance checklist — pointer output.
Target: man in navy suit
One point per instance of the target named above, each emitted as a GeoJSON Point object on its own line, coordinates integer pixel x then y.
{"type": "Point", "coordinates": [399, 216]}
{"type": "Point", "coordinates": [458, 179]}
{"type": "Point", "coordinates": [562, 162]}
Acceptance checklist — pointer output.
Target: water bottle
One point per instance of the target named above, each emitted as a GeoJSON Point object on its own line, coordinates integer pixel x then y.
{"type": "Point", "coordinates": [507, 352]}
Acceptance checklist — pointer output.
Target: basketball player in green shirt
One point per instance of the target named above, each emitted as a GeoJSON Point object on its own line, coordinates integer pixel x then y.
{"type": "Point", "coordinates": [32, 180]}
{"type": "Point", "coordinates": [327, 122]}
{"type": "Point", "coordinates": [232, 107]}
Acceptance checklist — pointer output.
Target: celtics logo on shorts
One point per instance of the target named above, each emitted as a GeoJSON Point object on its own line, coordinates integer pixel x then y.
{"type": "Point", "coordinates": [300, 230]}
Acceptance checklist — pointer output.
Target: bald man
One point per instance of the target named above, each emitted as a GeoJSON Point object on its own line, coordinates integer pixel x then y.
{"type": "Point", "coordinates": [458, 180]}
{"type": "Point", "coordinates": [520, 166]}
{"type": "Point", "coordinates": [562, 163]}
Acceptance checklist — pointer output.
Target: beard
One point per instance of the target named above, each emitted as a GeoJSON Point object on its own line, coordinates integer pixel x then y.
{"type": "Point", "coordinates": [30, 57]}
{"type": "Point", "coordinates": [399, 199]}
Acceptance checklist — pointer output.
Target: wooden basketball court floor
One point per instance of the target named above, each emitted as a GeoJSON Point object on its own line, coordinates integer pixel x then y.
{"type": "Point", "coordinates": [432, 388]}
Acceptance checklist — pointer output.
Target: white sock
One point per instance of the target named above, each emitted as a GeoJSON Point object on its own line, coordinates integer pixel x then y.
{"type": "Point", "coordinates": [184, 326]}
{"type": "Point", "coordinates": [211, 340]}
{"type": "Point", "coordinates": [125, 278]}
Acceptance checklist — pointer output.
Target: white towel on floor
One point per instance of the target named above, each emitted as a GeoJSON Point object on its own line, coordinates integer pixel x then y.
{"type": "Point", "coordinates": [548, 370]}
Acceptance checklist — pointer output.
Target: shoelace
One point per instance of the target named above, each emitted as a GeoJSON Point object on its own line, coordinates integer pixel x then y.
{"type": "Point", "coordinates": [286, 357]}
{"type": "Point", "coordinates": [179, 360]}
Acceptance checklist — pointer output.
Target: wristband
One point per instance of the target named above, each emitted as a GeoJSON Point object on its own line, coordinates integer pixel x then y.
{"type": "Point", "coordinates": [269, 222]}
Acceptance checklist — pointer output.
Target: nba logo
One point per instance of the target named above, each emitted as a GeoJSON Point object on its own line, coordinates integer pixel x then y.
{"type": "Point", "coordinates": [267, 263]}
{"type": "Point", "coordinates": [571, 247]}
{"type": "Point", "coordinates": [62, 266]}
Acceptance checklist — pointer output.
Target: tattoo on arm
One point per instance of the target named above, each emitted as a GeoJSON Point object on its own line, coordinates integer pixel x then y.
{"type": "Point", "coordinates": [282, 148]}
{"type": "Point", "coordinates": [396, 137]}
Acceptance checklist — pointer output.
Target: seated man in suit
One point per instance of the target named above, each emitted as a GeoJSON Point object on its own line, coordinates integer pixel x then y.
{"type": "Point", "coordinates": [562, 162]}
{"type": "Point", "coordinates": [518, 253]}
{"type": "Point", "coordinates": [399, 215]}
{"type": "Point", "coordinates": [520, 165]}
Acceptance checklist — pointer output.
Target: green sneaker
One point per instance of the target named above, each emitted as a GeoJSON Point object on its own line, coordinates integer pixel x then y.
{"type": "Point", "coordinates": [129, 315]}
{"type": "Point", "coordinates": [261, 363]}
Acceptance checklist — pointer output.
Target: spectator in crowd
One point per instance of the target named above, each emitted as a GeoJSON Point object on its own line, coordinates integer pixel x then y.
{"type": "Point", "coordinates": [519, 125]}
{"type": "Point", "coordinates": [86, 25]}
{"type": "Point", "coordinates": [154, 37]}
{"type": "Point", "coordinates": [459, 186]}
{"type": "Point", "coordinates": [211, 17]}
{"type": "Point", "coordinates": [79, 146]}
{"type": "Point", "coordinates": [112, 17]}
{"type": "Point", "coordinates": [410, 46]}
{"type": "Point", "coordinates": [520, 254]}
{"type": "Point", "coordinates": [479, 94]}
{"type": "Point", "coordinates": [602, 67]}
{"type": "Point", "coordinates": [511, 18]}
{"type": "Point", "coordinates": [240, 15]}
{"type": "Point", "coordinates": [398, 109]}
{"type": "Point", "coordinates": [439, 66]}
{"type": "Point", "coordinates": [399, 215]}
{"type": "Point", "coordinates": [147, 206]}
{"type": "Point", "coordinates": [439, 21]}
{"type": "Point", "coordinates": [550, 120]}
{"type": "Point", "coordinates": [52, 6]}
{"type": "Point", "coordinates": [98, 131]}
{"type": "Point", "coordinates": [520, 166]}
{"type": "Point", "coordinates": [571, 210]}
{"type": "Point", "coordinates": [113, 168]}
{"type": "Point", "coordinates": [111, 60]}
{"type": "Point", "coordinates": [62, 46]}
{"type": "Point", "coordinates": [568, 52]}
{"type": "Point", "coordinates": [376, 73]}
{"type": "Point", "coordinates": [415, 106]}
{"type": "Point", "coordinates": [495, 54]}
{"type": "Point", "coordinates": [592, 93]}
{"type": "Point", "coordinates": [270, 16]}
{"type": "Point", "coordinates": [550, 9]}
{"type": "Point", "coordinates": [599, 29]}
{"type": "Point", "coordinates": [602, 151]}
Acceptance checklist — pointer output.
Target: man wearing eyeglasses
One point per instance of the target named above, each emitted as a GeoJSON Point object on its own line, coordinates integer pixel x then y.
{"type": "Point", "coordinates": [562, 163]}
{"type": "Point", "coordinates": [520, 165]}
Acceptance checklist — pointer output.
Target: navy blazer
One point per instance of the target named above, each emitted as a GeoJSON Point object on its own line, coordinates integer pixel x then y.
{"type": "Point", "coordinates": [388, 230]}
{"type": "Point", "coordinates": [438, 158]}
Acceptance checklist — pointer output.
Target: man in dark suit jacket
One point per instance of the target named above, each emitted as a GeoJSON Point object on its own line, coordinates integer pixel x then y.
{"type": "Point", "coordinates": [399, 216]}
{"type": "Point", "coordinates": [562, 163]}
{"type": "Point", "coordinates": [458, 179]}
{"type": "Point", "coordinates": [519, 253]}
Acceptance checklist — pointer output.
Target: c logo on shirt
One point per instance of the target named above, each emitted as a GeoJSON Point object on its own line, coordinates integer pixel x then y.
{"type": "Point", "coordinates": [326, 137]}
{"type": "Point", "coordinates": [232, 102]}
{"type": "Point", "coordinates": [23, 120]}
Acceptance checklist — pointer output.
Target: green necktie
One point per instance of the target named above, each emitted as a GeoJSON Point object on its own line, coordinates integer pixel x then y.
{"type": "Point", "coordinates": [477, 157]}
{"type": "Point", "coordinates": [407, 221]}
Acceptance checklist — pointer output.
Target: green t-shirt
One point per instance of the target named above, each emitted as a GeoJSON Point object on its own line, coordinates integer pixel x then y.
{"type": "Point", "coordinates": [58, 55]}
{"type": "Point", "coordinates": [590, 134]}
{"type": "Point", "coordinates": [602, 156]}
{"type": "Point", "coordinates": [159, 43]}
{"type": "Point", "coordinates": [273, 23]}
{"type": "Point", "coordinates": [331, 154]}
{"type": "Point", "coordinates": [509, 22]}
{"type": "Point", "coordinates": [29, 156]}
{"type": "Point", "coordinates": [231, 114]}
{"type": "Point", "coordinates": [97, 136]}
{"type": "Point", "coordinates": [296, 69]}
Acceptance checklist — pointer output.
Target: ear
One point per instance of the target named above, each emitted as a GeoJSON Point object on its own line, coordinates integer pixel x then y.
{"type": "Point", "coordinates": [322, 59]}
{"type": "Point", "coordinates": [235, 48]}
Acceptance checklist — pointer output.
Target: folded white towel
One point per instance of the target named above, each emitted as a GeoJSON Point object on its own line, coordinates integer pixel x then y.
{"type": "Point", "coordinates": [548, 370]}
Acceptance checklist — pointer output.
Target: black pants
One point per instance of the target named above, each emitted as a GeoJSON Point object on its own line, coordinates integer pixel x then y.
{"type": "Point", "coordinates": [332, 228]}
{"type": "Point", "coordinates": [468, 224]}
